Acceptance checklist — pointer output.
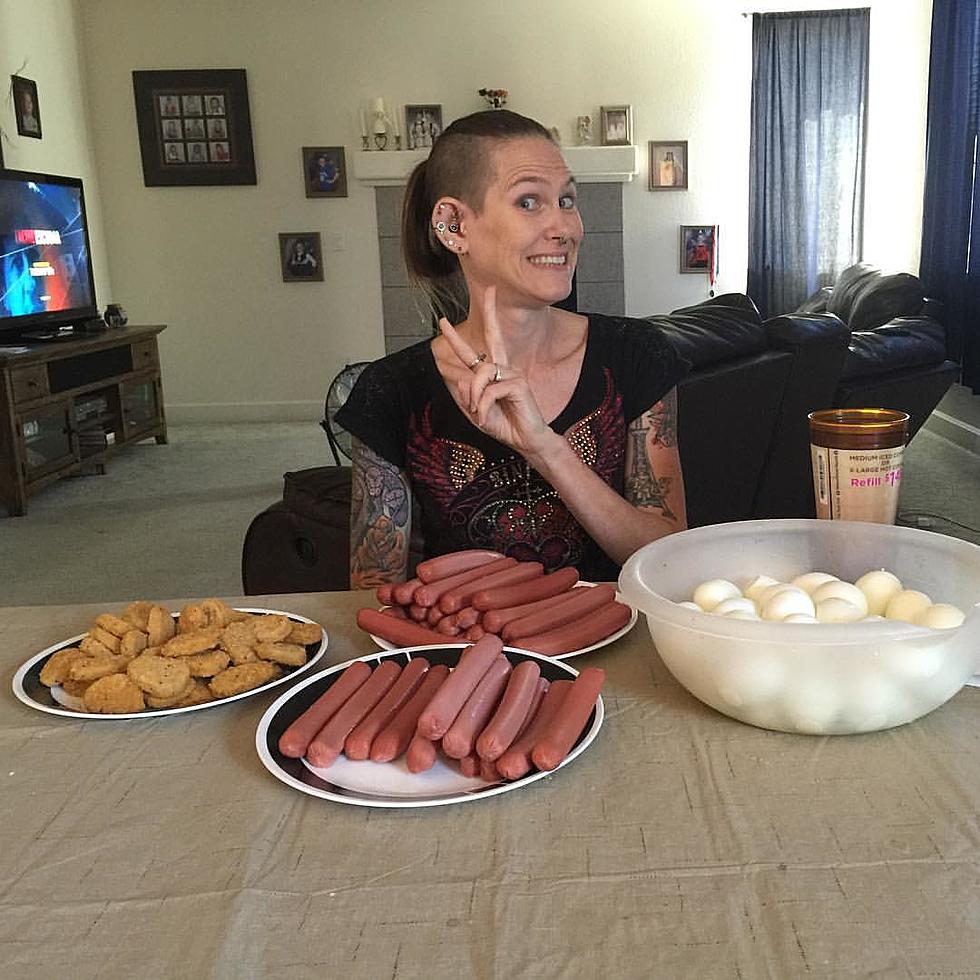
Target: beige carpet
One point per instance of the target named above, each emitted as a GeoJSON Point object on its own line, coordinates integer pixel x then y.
{"type": "Point", "coordinates": [169, 521]}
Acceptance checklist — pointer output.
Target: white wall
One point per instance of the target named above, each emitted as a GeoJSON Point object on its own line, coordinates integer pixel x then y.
{"type": "Point", "coordinates": [39, 40]}
{"type": "Point", "coordinates": [241, 344]}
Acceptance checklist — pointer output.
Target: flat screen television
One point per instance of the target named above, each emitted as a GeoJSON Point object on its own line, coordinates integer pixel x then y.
{"type": "Point", "coordinates": [46, 281]}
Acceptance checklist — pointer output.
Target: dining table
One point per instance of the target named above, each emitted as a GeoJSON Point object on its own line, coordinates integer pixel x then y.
{"type": "Point", "coordinates": [680, 843]}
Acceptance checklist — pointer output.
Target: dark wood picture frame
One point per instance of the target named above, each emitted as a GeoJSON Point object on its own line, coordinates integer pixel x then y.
{"type": "Point", "coordinates": [417, 115]}
{"type": "Point", "coordinates": [699, 249]}
{"type": "Point", "coordinates": [27, 114]}
{"type": "Point", "coordinates": [302, 270]}
{"type": "Point", "coordinates": [195, 128]}
{"type": "Point", "coordinates": [328, 180]}
{"type": "Point", "coordinates": [668, 157]}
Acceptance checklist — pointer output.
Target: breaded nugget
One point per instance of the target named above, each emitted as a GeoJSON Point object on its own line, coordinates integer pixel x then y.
{"type": "Point", "coordinates": [238, 640]}
{"type": "Point", "coordinates": [94, 667]}
{"type": "Point", "coordinates": [243, 677]}
{"type": "Point", "coordinates": [217, 611]}
{"type": "Point", "coordinates": [137, 614]}
{"type": "Point", "coordinates": [192, 618]}
{"type": "Point", "coordinates": [152, 702]}
{"type": "Point", "coordinates": [237, 616]}
{"type": "Point", "coordinates": [159, 626]}
{"type": "Point", "coordinates": [271, 628]}
{"type": "Point", "coordinates": [55, 669]}
{"type": "Point", "coordinates": [200, 694]}
{"type": "Point", "coordinates": [305, 634]}
{"type": "Point", "coordinates": [184, 644]}
{"type": "Point", "coordinates": [132, 643]}
{"type": "Point", "coordinates": [290, 654]}
{"type": "Point", "coordinates": [75, 688]}
{"type": "Point", "coordinates": [207, 664]}
{"type": "Point", "coordinates": [163, 677]}
{"type": "Point", "coordinates": [112, 624]}
{"type": "Point", "coordinates": [109, 640]}
{"type": "Point", "coordinates": [115, 694]}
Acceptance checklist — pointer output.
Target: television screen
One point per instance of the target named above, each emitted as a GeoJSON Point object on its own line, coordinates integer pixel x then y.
{"type": "Point", "coordinates": [45, 271]}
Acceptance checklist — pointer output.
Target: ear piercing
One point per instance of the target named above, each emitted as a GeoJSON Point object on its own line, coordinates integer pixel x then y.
{"type": "Point", "coordinates": [453, 227]}
{"type": "Point", "coordinates": [440, 226]}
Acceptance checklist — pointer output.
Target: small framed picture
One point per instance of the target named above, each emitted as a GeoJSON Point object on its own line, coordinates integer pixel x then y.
{"type": "Point", "coordinates": [26, 108]}
{"type": "Point", "coordinates": [668, 165]}
{"type": "Point", "coordinates": [616, 125]}
{"type": "Point", "coordinates": [301, 256]}
{"type": "Point", "coordinates": [197, 153]}
{"type": "Point", "coordinates": [191, 105]}
{"type": "Point", "coordinates": [699, 249]}
{"type": "Point", "coordinates": [193, 128]}
{"type": "Point", "coordinates": [423, 123]}
{"type": "Point", "coordinates": [215, 105]}
{"type": "Point", "coordinates": [173, 153]}
{"type": "Point", "coordinates": [219, 152]}
{"type": "Point", "coordinates": [324, 171]}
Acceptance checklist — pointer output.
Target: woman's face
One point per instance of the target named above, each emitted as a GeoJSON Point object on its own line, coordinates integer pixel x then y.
{"type": "Point", "coordinates": [525, 237]}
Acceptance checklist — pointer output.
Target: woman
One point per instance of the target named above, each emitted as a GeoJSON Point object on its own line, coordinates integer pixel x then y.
{"type": "Point", "coordinates": [525, 428]}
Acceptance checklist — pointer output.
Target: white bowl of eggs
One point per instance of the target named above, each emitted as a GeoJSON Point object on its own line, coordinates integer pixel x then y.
{"type": "Point", "coordinates": [816, 627]}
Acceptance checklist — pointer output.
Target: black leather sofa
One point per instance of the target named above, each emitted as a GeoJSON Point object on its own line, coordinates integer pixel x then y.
{"type": "Point", "coordinates": [742, 415]}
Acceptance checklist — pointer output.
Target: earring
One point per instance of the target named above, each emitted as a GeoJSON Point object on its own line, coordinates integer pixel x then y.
{"type": "Point", "coordinates": [450, 243]}
{"type": "Point", "coordinates": [453, 227]}
{"type": "Point", "coordinates": [440, 226]}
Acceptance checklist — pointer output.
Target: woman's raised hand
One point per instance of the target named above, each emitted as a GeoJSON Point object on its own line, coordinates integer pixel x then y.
{"type": "Point", "coordinates": [498, 398]}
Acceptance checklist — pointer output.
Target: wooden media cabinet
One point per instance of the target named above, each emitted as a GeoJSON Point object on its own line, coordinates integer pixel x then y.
{"type": "Point", "coordinates": [70, 404]}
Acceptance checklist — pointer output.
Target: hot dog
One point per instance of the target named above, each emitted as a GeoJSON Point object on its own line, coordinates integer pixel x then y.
{"type": "Point", "coordinates": [455, 599]}
{"type": "Point", "coordinates": [475, 713]}
{"type": "Point", "coordinates": [468, 617]}
{"type": "Point", "coordinates": [441, 712]}
{"type": "Point", "coordinates": [421, 754]}
{"type": "Point", "coordinates": [430, 593]}
{"type": "Point", "coordinates": [580, 632]}
{"type": "Point", "coordinates": [402, 592]}
{"type": "Point", "coordinates": [394, 738]}
{"type": "Point", "coordinates": [470, 765]}
{"type": "Point", "coordinates": [417, 613]}
{"type": "Point", "coordinates": [401, 632]}
{"type": "Point", "coordinates": [475, 633]}
{"type": "Point", "coordinates": [502, 729]}
{"type": "Point", "coordinates": [358, 743]}
{"type": "Point", "coordinates": [488, 772]}
{"type": "Point", "coordinates": [329, 742]}
{"type": "Point", "coordinates": [447, 626]}
{"type": "Point", "coordinates": [567, 724]}
{"type": "Point", "coordinates": [383, 593]}
{"type": "Point", "coordinates": [540, 691]}
{"type": "Point", "coordinates": [577, 603]}
{"type": "Point", "coordinates": [295, 740]}
{"type": "Point", "coordinates": [443, 566]}
{"type": "Point", "coordinates": [395, 612]}
{"type": "Point", "coordinates": [516, 761]}
{"type": "Point", "coordinates": [541, 588]}
{"type": "Point", "coordinates": [434, 615]}
{"type": "Point", "coordinates": [496, 619]}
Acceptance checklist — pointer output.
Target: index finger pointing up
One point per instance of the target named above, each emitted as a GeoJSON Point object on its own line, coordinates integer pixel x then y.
{"type": "Point", "coordinates": [467, 356]}
{"type": "Point", "coordinates": [491, 327]}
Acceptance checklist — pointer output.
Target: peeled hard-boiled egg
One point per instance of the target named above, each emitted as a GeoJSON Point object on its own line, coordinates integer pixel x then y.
{"type": "Point", "coordinates": [787, 602]}
{"type": "Point", "coordinates": [687, 604]}
{"type": "Point", "coordinates": [836, 610]}
{"type": "Point", "coordinates": [941, 616]}
{"type": "Point", "coordinates": [738, 603]}
{"type": "Point", "coordinates": [809, 582]}
{"type": "Point", "coordinates": [756, 587]}
{"type": "Point", "coordinates": [800, 618]}
{"type": "Point", "coordinates": [907, 605]}
{"type": "Point", "coordinates": [878, 587]}
{"type": "Point", "coordinates": [738, 614]}
{"type": "Point", "coordinates": [708, 594]}
{"type": "Point", "coordinates": [841, 590]}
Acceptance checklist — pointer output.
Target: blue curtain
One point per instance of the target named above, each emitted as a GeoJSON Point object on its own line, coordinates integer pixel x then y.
{"type": "Point", "coordinates": [950, 264]}
{"type": "Point", "coordinates": [806, 178]}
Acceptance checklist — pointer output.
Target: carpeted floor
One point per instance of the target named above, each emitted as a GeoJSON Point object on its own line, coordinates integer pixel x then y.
{"type": "Point", "coordinates": [169, 521]}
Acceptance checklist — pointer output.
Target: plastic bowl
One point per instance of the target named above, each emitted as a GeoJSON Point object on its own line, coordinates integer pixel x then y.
{"type": "Point", "coordinates": [820, 679]}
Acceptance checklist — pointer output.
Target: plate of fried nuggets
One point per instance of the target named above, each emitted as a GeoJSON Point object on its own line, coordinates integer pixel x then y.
{"type": "Point", "coordinates": [146, 659]}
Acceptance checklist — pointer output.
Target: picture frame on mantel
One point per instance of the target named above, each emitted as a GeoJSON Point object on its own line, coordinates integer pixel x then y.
{"type": "Point", "coordinates": [616, 125]}
{"type": "Point", "coordinates": [195, 128]}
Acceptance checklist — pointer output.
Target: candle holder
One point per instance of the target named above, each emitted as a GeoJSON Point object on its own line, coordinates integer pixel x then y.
{"type": "Point", "coordinates": [398, 142]}
{"type": "Point", "coordinates": [380, 141]}
{"type": "Point", "coordinates": [365, 144]}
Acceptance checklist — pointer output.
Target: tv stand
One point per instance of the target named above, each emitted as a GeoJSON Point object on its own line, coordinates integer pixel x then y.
{"type": "Point", "coordinates": [70, 405]}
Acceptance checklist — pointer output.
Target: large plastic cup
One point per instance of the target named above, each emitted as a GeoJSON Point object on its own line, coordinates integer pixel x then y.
{"type": "Point", "coordinates": [857, 462]}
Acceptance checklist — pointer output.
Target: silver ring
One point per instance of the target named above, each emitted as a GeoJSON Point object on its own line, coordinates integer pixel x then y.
{"type": "Point", "coordinates": [479, 359]}
{"type": "Point", "coordinates": [496, 374]}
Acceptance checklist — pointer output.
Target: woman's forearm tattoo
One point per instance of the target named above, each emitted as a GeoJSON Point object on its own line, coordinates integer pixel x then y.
{"type": "Point", "coordinates": [380, 520]}
{"type": "Point", "coordinates": [656, 427]}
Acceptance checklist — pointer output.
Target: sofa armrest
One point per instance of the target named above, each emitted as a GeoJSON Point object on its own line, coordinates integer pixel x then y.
{"type": "Point", "coordinates": [904, 344]}
{"type": "Point", "coordinates": [792, 330]}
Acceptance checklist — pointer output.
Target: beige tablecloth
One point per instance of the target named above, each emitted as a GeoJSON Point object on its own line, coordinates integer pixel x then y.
{"type": "Point", "coordinates": [681, 844]}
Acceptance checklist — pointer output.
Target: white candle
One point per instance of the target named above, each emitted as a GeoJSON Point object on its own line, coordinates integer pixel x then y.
{"type": "Point", "coordinates": [378, 105]}
{"type": "Point", "coordinates": [364, 130]}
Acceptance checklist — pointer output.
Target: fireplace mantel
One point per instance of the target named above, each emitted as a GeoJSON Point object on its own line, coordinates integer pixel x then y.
{"type": "Point", "coordinates": [589, 164]}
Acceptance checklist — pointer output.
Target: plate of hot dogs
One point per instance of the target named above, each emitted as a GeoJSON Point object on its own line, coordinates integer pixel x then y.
{"type": "Point", "coordinates": [463, 595]}
{"type": "Point", "coordinates": [431, 725]}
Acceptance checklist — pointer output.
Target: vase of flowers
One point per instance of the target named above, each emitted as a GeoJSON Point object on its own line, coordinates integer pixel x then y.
{"type": "Point", "coordinates": [496, 97]}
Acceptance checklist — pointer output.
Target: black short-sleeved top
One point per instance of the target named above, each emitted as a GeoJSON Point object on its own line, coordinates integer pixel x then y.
{"type": "Point", "coordinates": [471, 491]}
